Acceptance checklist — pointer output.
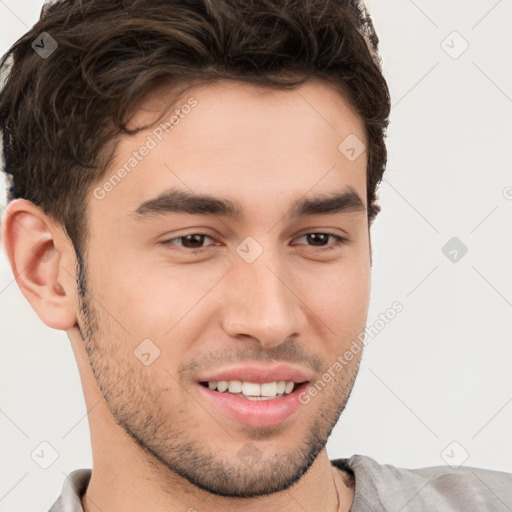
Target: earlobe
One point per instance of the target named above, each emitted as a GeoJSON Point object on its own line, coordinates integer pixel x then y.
{"type": "Point", "coordinates": [39, 257]}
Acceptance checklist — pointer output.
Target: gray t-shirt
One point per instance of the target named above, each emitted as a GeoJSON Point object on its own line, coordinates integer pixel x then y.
{"type": "Point", "coordinates": [381, 488]}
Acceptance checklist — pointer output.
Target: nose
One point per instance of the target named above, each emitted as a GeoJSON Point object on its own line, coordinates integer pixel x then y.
{"type": "Point", "coordinates": [261, 302]}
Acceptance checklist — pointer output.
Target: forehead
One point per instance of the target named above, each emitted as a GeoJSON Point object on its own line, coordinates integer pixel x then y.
{"type": "Point", "coordinates": [318, 100]}
{"type": "Point", "coordinates": [239, 141]}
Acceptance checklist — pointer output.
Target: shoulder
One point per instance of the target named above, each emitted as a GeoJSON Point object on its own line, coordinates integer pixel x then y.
{"type": "Point", "coordinates": [386, 487]}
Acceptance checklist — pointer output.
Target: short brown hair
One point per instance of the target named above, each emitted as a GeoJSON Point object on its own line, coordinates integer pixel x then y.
{"type": "Point", "coordinates": [60, 115]}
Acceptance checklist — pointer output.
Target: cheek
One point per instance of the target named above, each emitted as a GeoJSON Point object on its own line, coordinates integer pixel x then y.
{"type": "Point", "coordinates": [341, 287]}
{"type": "Point", "coordinates": [156, 301]}
{"type": "Point", "coordinates": [338, 299]}
{"type": "Point", "coordinates": [345, 303]}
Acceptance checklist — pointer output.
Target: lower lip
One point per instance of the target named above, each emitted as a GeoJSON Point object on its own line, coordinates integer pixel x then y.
{"type": "Point", "coordinates": [256, 413]}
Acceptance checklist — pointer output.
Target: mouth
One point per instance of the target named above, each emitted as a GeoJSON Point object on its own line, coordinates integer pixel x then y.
{"type": "Point", "coordinates": [251, 403]}
{"type": "Point", "coordinates": [252, 390]}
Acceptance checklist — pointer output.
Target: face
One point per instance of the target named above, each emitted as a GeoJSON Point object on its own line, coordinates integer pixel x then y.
{"type": "Point", "coordinates": [178, 290]}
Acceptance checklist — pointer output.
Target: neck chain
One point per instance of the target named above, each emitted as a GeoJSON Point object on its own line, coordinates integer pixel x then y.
{"type": "Point", "coordinates": [336, 487]}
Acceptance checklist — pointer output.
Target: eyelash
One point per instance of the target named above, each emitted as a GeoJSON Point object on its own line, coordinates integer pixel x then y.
{"type": "Point", "coordinates": [340, 240]}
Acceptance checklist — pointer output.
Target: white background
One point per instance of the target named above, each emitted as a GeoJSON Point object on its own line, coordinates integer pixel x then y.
{"type": "Point", "coordinates": [435, 383]}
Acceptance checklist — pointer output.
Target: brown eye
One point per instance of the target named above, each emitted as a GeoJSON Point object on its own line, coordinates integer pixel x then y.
{"type": "Point", "coordinates": [321, 239]}
{"type": "Point", "coordinates": [192, 241]}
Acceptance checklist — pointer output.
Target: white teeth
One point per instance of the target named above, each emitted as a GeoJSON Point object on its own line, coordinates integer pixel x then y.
{"type": "Point", "coordinates": [235, 386]}
{"type": "Point", "coordinates": [269, 389]}
{"type": "Point", "coordinates": [222, 385]}
{"type": "Point", "coordinates": [253, 390]}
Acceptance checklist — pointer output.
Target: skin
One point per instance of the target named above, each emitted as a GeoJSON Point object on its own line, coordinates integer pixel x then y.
{"type": "Point", "coordinates": [158, 444]}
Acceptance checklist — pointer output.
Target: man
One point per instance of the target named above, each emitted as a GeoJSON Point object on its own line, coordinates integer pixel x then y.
{"type": "Point", "coordinates": [192, 190]}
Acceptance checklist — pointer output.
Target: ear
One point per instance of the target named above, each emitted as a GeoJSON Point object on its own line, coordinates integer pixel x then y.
{"type": "Point", "coordinates": [42, 261]}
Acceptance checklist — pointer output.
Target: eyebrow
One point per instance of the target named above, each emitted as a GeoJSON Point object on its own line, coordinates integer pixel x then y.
{"type": "Point", "coordinates": [183, 201]}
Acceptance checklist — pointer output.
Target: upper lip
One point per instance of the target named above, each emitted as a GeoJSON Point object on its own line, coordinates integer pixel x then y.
{"type": "Point", "coordinates": [258, 373]}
